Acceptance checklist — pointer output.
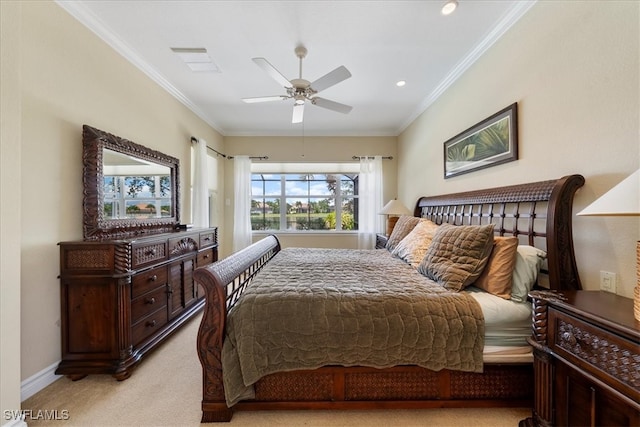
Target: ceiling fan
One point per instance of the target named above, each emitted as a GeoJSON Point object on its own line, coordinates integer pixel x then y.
{"type": "Point", "coordinates": [302, 90]}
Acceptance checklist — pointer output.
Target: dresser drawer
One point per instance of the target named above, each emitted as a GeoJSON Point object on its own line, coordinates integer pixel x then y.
{"type": "Point", "coordinates": [207, 238]}
{"type": "Point", "coordinates": [148, 253]}
{"type": "Point", "coordinates": [615, 359]}
{"type": "Point", "coordinates": [148, 325]}
{"type": "Point", "coordinates": [148, 280]}
{"type": "Point", "coordinates": [205, 257]}
{"type": "Point", "coordinates": [148, 303]}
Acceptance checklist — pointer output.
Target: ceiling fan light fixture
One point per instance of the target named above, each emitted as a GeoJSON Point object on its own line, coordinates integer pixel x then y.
{"type": "Point", "coordinates": [449, 7]}
{"type": "Point", "coordinates": [301, 90]}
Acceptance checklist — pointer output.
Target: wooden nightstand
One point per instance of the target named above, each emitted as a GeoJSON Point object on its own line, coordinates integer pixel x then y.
{"type": "Point", "coordinates": [586, 359]}
{"type": "Point", "coordinates": [381, 241]}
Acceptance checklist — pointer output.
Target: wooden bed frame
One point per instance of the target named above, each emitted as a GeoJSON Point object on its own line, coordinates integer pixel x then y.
{"type": "Point", "coordinates": [540, 214]}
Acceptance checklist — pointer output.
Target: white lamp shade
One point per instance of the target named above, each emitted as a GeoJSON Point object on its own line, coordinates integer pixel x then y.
{"type": "Point", "coordinates": [621, 200]}
{"type": "Point", "coordinates": [394, 207]}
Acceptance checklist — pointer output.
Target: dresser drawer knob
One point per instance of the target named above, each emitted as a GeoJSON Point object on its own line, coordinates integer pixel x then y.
{"type": "Point", "coordinates": [151, 300]}
{"type": "Point", "coordinates": [206, 256]}
{"type": "Point", "coordinates": [206, 239]}
{"type": "Point", "coordinates": [153, 278]}
{"type": "Point", "coordinates": [151, 323]}
{"type": "Point", "coordinates": [151, 251]}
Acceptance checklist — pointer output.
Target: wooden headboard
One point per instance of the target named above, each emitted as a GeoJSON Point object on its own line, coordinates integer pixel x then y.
{"type": "Point", "coordinates": [538, 213]}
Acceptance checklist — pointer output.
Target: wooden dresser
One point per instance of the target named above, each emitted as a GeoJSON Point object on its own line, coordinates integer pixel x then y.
{"type": "Point", "coordinates": [586, 360]}
{"type": "Point", "coordinates": [121, 298]}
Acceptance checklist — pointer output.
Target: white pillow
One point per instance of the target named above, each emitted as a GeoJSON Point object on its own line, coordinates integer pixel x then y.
{"type": "Point", "coordinates": [528, 263]}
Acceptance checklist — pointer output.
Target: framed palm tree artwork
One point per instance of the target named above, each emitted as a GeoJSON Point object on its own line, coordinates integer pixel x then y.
{"type": "Point", "coordinates": [491, 142]}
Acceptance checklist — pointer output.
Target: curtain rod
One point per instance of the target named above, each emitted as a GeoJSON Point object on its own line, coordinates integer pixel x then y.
{"type": "Point", "coordinates": [255, 157]}
{"type": "Point", "coordinates": [194, 139]}
{"type": "Point", "coordinates": [371, 157]}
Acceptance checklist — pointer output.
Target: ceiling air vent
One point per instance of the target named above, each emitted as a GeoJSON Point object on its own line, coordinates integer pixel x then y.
{"type": "Point", "coordinates": [196, 58]}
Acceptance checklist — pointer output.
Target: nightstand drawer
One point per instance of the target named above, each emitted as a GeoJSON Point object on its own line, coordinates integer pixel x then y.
{"type": "Point", "coordinates": [617, 360]}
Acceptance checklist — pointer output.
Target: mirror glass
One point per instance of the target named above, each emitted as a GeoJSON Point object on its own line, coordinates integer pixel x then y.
{"type": "Point", "coordinates": [129, 189]}
{"type": "Point", "coordinates": [134, 188]}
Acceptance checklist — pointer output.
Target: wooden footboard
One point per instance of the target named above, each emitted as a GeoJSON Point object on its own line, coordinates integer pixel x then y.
{"type": "Point", "coordinates": [540, 211]}
{"type": "Point", "coordinates": [224, 282]}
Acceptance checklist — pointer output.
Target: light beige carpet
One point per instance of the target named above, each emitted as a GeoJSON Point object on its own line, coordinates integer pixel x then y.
{"type": "Point", "coordinates": [166, 389]}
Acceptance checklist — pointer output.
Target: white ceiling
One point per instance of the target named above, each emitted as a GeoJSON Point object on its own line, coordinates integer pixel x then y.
{"type": "Point", "coordinates": [380, 42]}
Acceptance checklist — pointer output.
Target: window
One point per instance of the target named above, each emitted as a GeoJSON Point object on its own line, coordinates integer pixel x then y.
{"type": "Point", "coordinates": [304, 201]}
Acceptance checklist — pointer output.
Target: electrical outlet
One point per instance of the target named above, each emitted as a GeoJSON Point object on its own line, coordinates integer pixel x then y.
{"type": "Point", "coordinates": [608, 281]}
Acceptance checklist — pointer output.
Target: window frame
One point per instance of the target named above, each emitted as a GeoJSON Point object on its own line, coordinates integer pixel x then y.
{"type": "Point", "coordinates": [338, 199]}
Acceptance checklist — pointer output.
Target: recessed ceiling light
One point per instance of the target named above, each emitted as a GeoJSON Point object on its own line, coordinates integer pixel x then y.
{"type": "Point", "coordinates": [401, 83]}
{"type": "Point", "coordinates": [449, 7]}
{"type": "Point", "coordinates": [196, 58]}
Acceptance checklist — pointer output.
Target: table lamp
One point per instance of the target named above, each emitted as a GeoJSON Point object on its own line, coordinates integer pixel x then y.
{"type": "Point", "coordinates": [622, 200]}
{"type": "Point", "coordinates": [393, 210]}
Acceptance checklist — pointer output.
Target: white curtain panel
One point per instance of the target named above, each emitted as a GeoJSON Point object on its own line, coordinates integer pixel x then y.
{"type": "Point", "coordinates": [370, 201]}
{"type": "Point", "coordinates": [200, 214]}
{"type": "Point", "coordinates": [242, 205]}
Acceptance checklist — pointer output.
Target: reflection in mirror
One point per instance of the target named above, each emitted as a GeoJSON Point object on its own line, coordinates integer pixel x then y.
{"type": "Point", "coordinates": [135, 188]}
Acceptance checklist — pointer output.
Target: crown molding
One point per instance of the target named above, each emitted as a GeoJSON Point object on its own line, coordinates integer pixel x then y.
{"type": "Point", "coordinates": [512, 16]}
{"type": "Point", "coordinates": [93, 23]}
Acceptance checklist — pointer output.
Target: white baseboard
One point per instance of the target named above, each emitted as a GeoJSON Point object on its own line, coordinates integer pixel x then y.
{"type": "Point", "coordinates": [38, 381]}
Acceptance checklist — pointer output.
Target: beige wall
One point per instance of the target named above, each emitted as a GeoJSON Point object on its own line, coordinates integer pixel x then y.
{"type": "Point", "coordinates": [308, 149]}
{"type": "Point", "coordinates": [573, 68]}
{"type": "Point", "coordinates": [10, 215]}
{"type": "Point", "coordinates": [70, 78]}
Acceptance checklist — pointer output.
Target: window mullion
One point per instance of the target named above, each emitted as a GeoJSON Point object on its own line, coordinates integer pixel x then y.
{"type": "Point", "coordinates": [122, 198]}
{"type": "Point", "coordinates": [338, 203]}
{"type": "Point", "coordinates": [283, 203]}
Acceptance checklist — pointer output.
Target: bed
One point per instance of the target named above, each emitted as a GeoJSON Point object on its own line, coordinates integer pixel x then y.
{"type": "Point", "coordinates": [455, 357]}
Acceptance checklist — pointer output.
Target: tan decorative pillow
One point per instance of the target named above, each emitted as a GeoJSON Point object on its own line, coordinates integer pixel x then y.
{"type": "Point", "coordinates": [497, 276]}
{"type": "Point", "coordinates": [405, 224]}
{"type": "Point", "coordinates": [412, 248]}
{"type": "Point", "coordinates": [457, 255]}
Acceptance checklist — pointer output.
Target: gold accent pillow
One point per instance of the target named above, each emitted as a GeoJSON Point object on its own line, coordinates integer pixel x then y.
{"type": "Point", "coordinates": [405, 224]}
{"type": "Point", "coordinates": [497, 276]}
{"type": "Point", "coordinates": [412, 248]}
{"type": "Point", "coordinates": [458, 254]}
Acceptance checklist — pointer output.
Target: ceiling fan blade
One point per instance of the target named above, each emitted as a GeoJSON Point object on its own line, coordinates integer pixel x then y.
{"type": "Point", "coordinates": [271, 70]}
{"type": "Point", "coordinates": [264, 99]}
{"type": "Point", "coordinates": [332, 78]}
{"type": "Point", "coordinates": [331, 105]}
{"type": "Point", "coordinates": [298, 112]}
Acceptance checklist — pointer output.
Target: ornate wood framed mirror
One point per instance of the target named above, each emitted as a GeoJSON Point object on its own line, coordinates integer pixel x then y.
{"type": "Point", "coordinates": [129, 189]}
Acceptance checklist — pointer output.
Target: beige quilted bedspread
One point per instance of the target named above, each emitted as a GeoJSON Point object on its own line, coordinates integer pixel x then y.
{"type": "Point", "coordinates": [315, 307]}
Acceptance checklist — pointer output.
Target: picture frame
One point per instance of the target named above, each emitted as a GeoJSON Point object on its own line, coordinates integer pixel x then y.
{"type": "Point", "coordinates": [491, 142]}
